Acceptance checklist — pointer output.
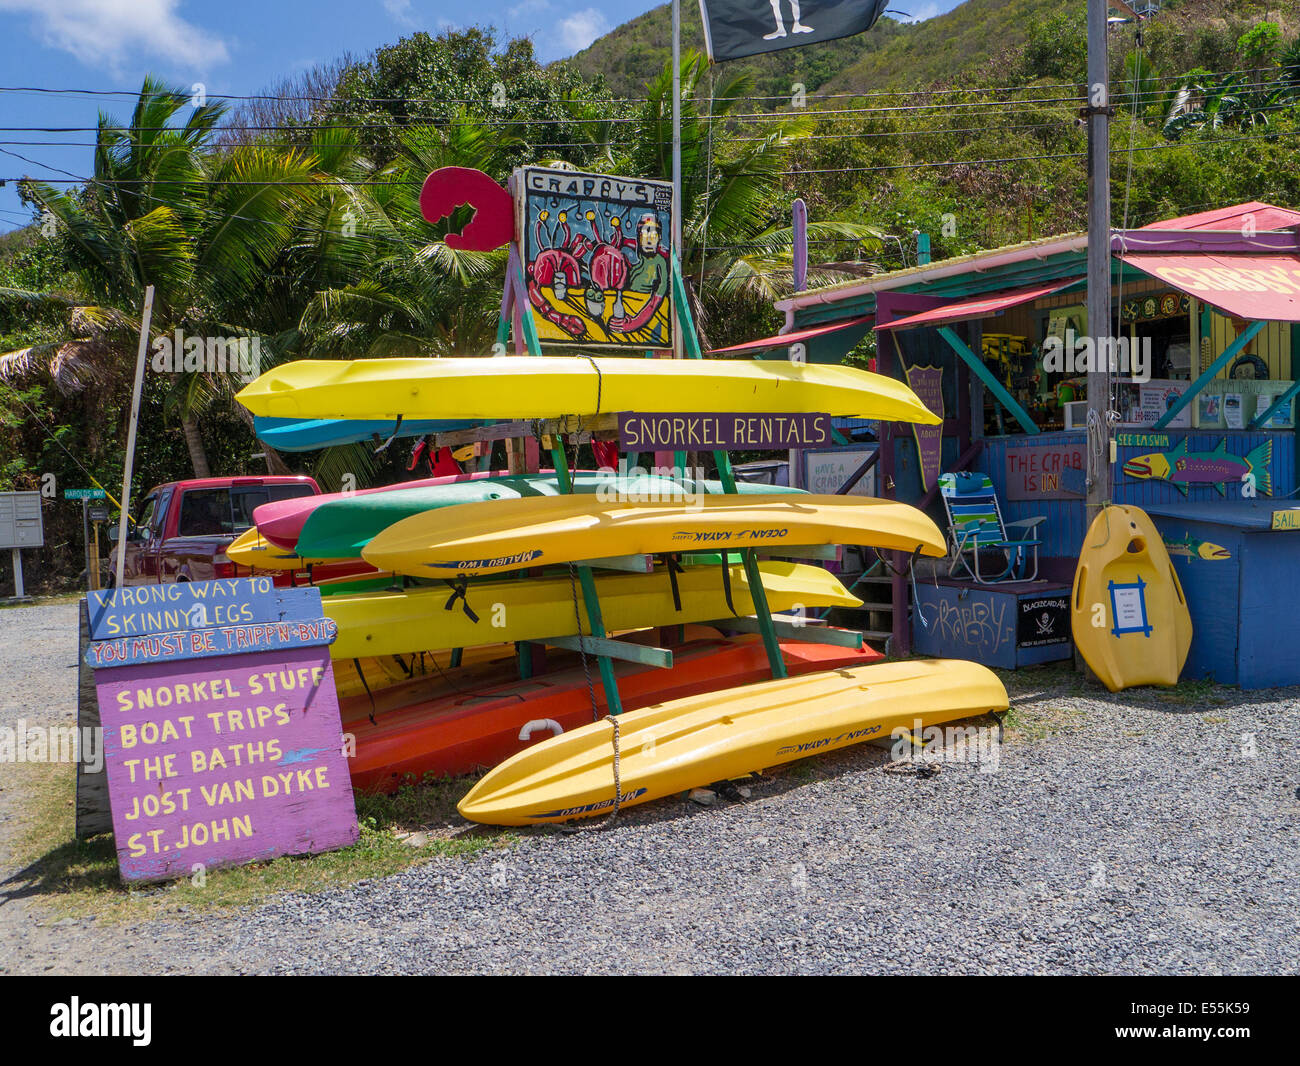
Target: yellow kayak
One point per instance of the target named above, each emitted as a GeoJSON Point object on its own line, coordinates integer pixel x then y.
{"type": "Point", "coordinates": [250, 548]}
{"type": "Point", "coordinates": [394, 623]}
{"type": "Point", "coordinates": [476, 538]}
{"type": "Point", "coordinates": [555, 386]}
{"type": "Point", "coordinates": [691, 742]}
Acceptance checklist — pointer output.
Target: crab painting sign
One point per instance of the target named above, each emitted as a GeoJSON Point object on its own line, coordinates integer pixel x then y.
{"type": "Point", "coordinates": [595, 256]}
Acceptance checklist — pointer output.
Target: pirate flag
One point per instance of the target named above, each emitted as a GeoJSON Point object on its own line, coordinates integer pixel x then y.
{"type": "Point", "coordinates": [736, 28]}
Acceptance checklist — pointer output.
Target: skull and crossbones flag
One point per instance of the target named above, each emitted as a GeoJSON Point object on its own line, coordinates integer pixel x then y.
{"type": "Point", "coordinates": [736, 28]}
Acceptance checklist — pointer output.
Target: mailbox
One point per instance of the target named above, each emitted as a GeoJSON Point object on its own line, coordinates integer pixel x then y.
{"type": "Point", "coordinates": [20, 520]}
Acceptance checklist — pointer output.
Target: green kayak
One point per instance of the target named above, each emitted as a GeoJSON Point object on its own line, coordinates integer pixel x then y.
{"type": "Point", "coordinates": [341, 528]}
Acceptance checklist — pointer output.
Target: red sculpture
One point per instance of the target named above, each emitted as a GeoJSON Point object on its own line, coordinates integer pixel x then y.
{"type": "Point", "coordinates": [493, 224]}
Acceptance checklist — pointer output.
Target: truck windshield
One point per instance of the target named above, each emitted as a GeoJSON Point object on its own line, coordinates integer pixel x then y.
{"type": "Point", "coordinates": [226, 512]}
{"type": "Point", "coordinates": [205, 513]}
{"type": "Point", "coordinates": [245, 499]}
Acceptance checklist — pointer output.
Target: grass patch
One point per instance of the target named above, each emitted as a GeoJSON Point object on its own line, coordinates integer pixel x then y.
{"type": "Point", "coordinates": [42, 601]}
{"type": "Point", "coordinates": [79, 878]}
{"type": "Point", "coordinates": [1190, 694]}
{"type": "Point", "coordinates": [1039, 722]}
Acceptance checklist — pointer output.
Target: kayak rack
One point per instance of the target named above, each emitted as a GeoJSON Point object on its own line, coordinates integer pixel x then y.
{"type": "Point", "coordinates": [614, 649]}
{"type": "Point", "coordinates": [516, 318]}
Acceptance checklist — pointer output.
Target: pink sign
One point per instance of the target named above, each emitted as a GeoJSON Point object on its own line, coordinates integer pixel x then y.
{"type": "Point", "coordinates": [219, 761]}
{"type": "Point", "coordinates": [927, 383]}
{"type": "Point", "coordinates": [1053, 471]}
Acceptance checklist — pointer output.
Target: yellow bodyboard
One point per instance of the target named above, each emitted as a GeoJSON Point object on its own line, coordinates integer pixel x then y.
{"type": "Point", "coordinates": [1128, 612]}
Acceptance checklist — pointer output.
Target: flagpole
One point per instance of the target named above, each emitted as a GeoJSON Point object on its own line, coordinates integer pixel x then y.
{"type": "Point", "coordinates": [676, 235]}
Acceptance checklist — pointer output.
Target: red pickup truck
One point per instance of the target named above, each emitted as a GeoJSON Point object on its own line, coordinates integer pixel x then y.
{"type": "Point", "coordinates": [186, 526]}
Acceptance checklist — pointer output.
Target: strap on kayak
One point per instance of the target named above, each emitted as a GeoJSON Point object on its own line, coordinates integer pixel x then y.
{"type": "Point", "coordinates": [362, 674]}
{"type": "Point", "coordinates": [458, 589]}
{"type": "Point", "coordinates": [674, 567]}
{"type": "Point", "coordinates": [726, 584]}
{"type": "Point", "coordinates": [396, 429]}
{"type": "Point", "coordinates": [410, 670]}
{"type": "Point", "coordinates": [910, 571]}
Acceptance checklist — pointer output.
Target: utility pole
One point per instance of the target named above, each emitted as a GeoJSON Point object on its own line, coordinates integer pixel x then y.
{"type": "Point", "coordinates": [145, 319]}
{"type": "Point", "coordinates": [676, 233]}
{"type": "Point", "coordinates": [1098, 113]}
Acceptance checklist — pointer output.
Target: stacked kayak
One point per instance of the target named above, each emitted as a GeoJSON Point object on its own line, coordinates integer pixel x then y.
{"type": "Point", "coordinates": [464, 580]}
{"type": "Point", "coordinates": [400, 621]}
{"type": "Point", "coordinates": [459, 732]}
{"type": "Point", "coordinates": [673, 746]}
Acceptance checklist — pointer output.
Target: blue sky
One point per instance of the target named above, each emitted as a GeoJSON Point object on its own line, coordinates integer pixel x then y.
{"type": "Point", "coordinates": [236, 47]}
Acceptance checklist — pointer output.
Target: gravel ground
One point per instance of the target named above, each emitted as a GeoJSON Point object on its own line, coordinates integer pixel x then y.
{"type": "Point", "coordinates": [1119, 834]}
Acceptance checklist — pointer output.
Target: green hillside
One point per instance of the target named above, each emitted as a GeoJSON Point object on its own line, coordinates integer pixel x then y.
{"type": "Point", "coordinates": [983, 41]}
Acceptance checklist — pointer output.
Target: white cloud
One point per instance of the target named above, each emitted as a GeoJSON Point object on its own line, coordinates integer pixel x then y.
{"type": "Point", "coordinates": [581, 28]}
{"type": "Point", "coordinates": [110, 33]}
{"type": "Point", "coordinates": [400, 12]}
{"type": "Point", "coordinates": [921, 13]}
{"type": "Point", "coordinates": [528, 7]}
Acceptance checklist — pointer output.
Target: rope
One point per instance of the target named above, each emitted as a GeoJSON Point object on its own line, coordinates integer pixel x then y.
{"type": "Point", "coordinates": [361, 674]}
{"type": "Point", "coordinates": [600, 382]}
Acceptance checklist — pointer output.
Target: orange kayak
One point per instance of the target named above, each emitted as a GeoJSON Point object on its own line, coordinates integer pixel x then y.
{"type": "Point", "coordinates": [452, 732]}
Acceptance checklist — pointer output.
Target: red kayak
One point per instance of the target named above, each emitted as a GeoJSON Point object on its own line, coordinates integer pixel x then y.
{"type": "Point", "coordinates": [469, 728]}
{"type": "Point", "coordinates": [280, 521]}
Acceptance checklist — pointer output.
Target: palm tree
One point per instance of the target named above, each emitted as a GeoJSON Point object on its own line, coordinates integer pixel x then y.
{"type": "Point", "coordinates": [734, 196]}
{"type": "Point", "coordinates": [164, 209]}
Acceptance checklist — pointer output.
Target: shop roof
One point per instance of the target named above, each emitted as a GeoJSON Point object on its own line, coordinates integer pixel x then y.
{"type": "Point", "coordinates": [1261, 216]}
{"type": "Point", "coordinates": [978, 307]}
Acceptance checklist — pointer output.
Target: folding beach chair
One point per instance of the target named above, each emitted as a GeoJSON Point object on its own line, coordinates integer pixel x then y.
{"type": "Point", "coordinates": [975, 526]}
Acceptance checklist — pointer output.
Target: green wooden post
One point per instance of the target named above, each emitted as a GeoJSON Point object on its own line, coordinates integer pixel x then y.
{"type": "Point", "coordinates": [531, 340]}
{"type": "Point", "coordinates": [775, 660]}
{"type": "Point", "coordinates": [589, 598]}
{"type": "Point", "coordinates": [1225, 357]}
{"type": "Point", "coordinates": [990, 382]}
{"type": "Point", "coordinates": [1277, 405]}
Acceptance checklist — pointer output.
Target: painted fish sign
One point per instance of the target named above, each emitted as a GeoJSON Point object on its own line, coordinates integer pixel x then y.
{"type": "Point", "coordinates": [1190, 547]}
{"type": "Point", "coordinates": [212, 758]}
{"type": "Point", "coordinates": [596, 262]}
{"type": "Point", "coordinates": [1183, 468]}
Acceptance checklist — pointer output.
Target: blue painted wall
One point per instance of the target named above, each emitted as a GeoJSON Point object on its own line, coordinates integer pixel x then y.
{"type": "Point", "coordinates": [1066, 523]}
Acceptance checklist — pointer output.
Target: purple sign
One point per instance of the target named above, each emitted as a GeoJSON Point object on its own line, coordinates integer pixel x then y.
{"type": "Point", "coordinates": [927, 383]}
{"type": "Point", "coordinates": [229, 760]}
{"type": "Point", "coordinates": [722, 432]}
{"type": "Point", "coordinates": [1046, 471]}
